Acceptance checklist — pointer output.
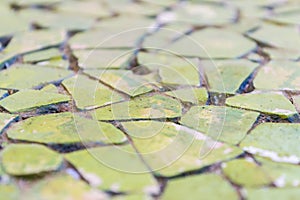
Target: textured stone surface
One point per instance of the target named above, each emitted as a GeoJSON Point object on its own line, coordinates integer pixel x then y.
{"type": "Point", "coordinates": [169, 99]}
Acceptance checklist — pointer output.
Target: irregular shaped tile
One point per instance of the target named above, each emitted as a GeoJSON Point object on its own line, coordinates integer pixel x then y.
{"type": "Point", "coordinates": [127, 22]}
{"type": "Point", "coordinates": [112, 168]}
{"type": "Point", "coordinates": [30, 99]}
{"type": "Point", "coordinates": [10, 22]}
{"type": "Point", "coordinates": [171, 149]}
{"type": "Point", "coordinates": [245, 25]}
{"type": "Point", "coordinates": [9, 191]}
{"type": "Point", "coordinates": [50, 88]}
{"type": "Point", "coordinates": [109, 37]}
{"type": "Point", "coordinates": [246, 173]}
{"type": "Point", "coordinates": [171, 69]}
{"type": "Point", "coordinates": [276, 141]}
{"type": "Point", "coordinates": [180, 75]}
{"type": "Point", "coordinates": [47, 54]}
{"type": "Point", "coordinates": [152, 77]}
{"type": "Point", "coordinates": [270, 103]}
{"type": "Point", "coordinates": [282, 54]}
{"type": "Point", "coordinates": [91, 8]}
{"type": "Point", "coordinates": [156, 60]}
{"type": "Point", "coordinates": [5, 120]}
{"type": "Point", "coordinates": [102, 58]}
{"type": "Point", "coordinates": [288, 7]}
{"type": "Point", "coordinates": [213, 43]}
{"type": "Point", "coordinates": [57, 20]}
{"type": "Point", "coordinates": [266, 35]}
{"type": "Point", "coordinates": [33, 3]}
{"type": "Point", "coordinates": [29, 76]}
{"type": "Point", "coordinates": [193, 95]}
{"type": "Point", "coordinates": [291, 18]}
{"type": "Point", "coordinates": [204, 14]}
{"type": "Point", "coordinates": [88, 93]}
{"type": "Point", "coordinates": [55, 62]}
{"type": "Point", "coordinates": [62, 186]}
{"type": "Point", "coordinates": [282, 174]}
{"type": "Point", "coordinates": [34, 40]}
{"type": "Point", "coordinates": [158, 139]}
{"type": "Point", "coordinates": [227, 76]}
{"type": "Point", "coordinates": [281, 75]}
{"type": "Point", "coordinates": [165, 35]}
{"type": "Point", "coordinates": [148, 107]}
{"type": "Point", "coordinates": [125, 7]}
{"type": "Point", "coordinates": [259, 4]}
{"type": "Point", "coordinates": [252, 9]}
{"type": "Point", "coordinates": [64, 128]}
{"type": "Point", "coordinates": [123, 80]}
{"type": "Point", "coordinates": [221, 123]}
{"type": "Point", "coordinates": [209, 186]}
{"type": "Point", "coordinates": [272, 193]}
{"type": "Point", "coordinates": [27, 159]}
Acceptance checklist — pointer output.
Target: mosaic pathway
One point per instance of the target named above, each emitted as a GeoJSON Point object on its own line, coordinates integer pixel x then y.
{"type": "Point", "coordinates": [119, 99]}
